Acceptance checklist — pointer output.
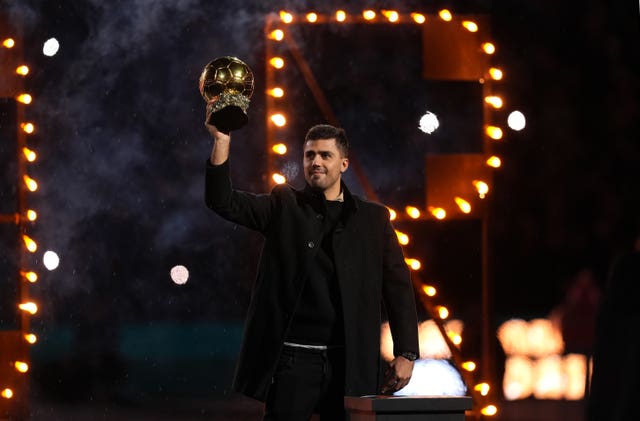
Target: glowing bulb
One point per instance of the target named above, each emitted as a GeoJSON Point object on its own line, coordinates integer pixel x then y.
{"type": "Point", "coordinates": [279, 120]}
{"type": "Point", "coordinates": [32, 215]}
{"type": "Point", "coordinates": [286, 17]}
{"type": "Point", "coordinates": [51, 260]}
{"type": "Point", "coordinates": [29, 154]}
{"type": "Point", "coordinates": [277, 35]}
{"type": "Point", "coordinates": [31, 338]}
{"type": "Point", "coordinates": [24, 98]}
{"type": "Point", "coordinates": [413, 212]}
{"type": "Point", "coordinates": [495, 73]}
{"type": "Point", "coordinates": [489, 410]}
{"type": "Point", "coordinates": [279, 148]}
{"type": "Point", "coordinates": [279, 178]}
{"type": "Point", "coordinates": [438, 213]}
{"type": "Point", "coordinates": [179, 274]}
{"type": "Point", "coordinates": [414, 264]}
{"type": "Point", "coordinates": [464, 206]}
{"type": "Point", "coordinates": [29, 307]}
{"type": "Point", "coordinates": [516, 121]}
{"type": "Point", "coordinates": [428, 122]}
{"type": "Point", "coordinates": [494, 101]}
{"type": "Point", "coordinates": [29, 243]}
{"type": "Point", "coordinates": [369, 14]}
{"type": "Point", "coordinates": [445, 15]}
{"type": "Point", "coordinates": [27, 127]}
{"type": "Point", "coordinates": [276, 92]}
{"type": "Point", "coordinates": [429, 290]}
{"type": "Point", "coordinates": [8, 43]}
{"type": "Point", "coordinates": [481, 187]}
{"type": "Point", "coordinates": [418, 18]}
{"type": "Point", "coordinates": [7, 393]}
{"type": "Point", "coordinates": [494, 132]}
{"type": "Point", "coordinates": [483, 388]}
{"type": "Point", "coordinates": [403, 238]}
{"type": "Point", "coordinates": [312, 17]}
{"type": "Point", "coordinates": [31, 184]}
{"type": "Point", "coordinates": [277, 62]}
{"type": "Point", "coordinates": [469, 365]}
{"type": "Point", "coordinates": [50, 47]}
{"type": "Point", "coordinates": [392, 214]}
{"type": "Point", "coordinates": [443, 312]}
{"type": "Point", "coordinates": [470, 26]}
{"type": "Point", "coordinates": [21, 366]}
{"type": "Point", "coordinates": [488, 48]}
{"type": "Point", "coordinates": [22, 70]}
{"type": "Point", "coordinates": [392, 15]}
{"type": "Point", "coordinates": [30, 276]}
{"type": "Point", "coordinates": [341, 16]}
{"type": "Point", "coordinates": [494, 161]}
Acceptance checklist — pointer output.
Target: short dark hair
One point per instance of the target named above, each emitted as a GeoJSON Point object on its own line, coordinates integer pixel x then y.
{"type": "Point", "coordinates": [327, 131]}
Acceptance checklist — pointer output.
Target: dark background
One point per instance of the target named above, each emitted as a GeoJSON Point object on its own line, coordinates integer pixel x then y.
{"type": "Point", "coordinates": [122, 147]}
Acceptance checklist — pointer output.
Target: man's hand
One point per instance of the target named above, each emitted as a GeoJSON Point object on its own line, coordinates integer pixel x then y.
{"type": "Point", "coordinates": [220, 150]}
{"type": "Point", "coordinates": [398, 375]}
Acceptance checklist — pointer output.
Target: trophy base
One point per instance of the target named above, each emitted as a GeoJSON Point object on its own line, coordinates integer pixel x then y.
{"type": "Point", "coordinates": [227, 119]}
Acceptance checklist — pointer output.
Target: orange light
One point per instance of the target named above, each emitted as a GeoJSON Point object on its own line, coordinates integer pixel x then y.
{"type": "Point", "coordinates": [341, 16]}
{"type": "Point", "coordinates": [494, 101]}
{"type": "Point", "coordinates": [470, 26]}
{"type": "Point", "coordinates": [438, 213]}
{"type": "Point", "coordinates": [28, 127]}
{"type": "Point", "coordinates": [483, 388]}
{"type": "Point", "coordinates": [445, 15]}
{"type": "Point", "coordinates": [29, 243]}
{"type": "Point", "coordinates": [413, 212]}
{"type": "Point", "coordinates": [312, 17]}
{"type": "Point", "coordinates": [22, 70]}
{"type": "Point", "coordinates": [418, 18]}
{"type": "Point", "coordinates": [469, 365]}
{"type": "Point", "coordinates": [489, 410]}
{"type": "Point", "coordinates": [429, 290]}
{"type": "Point", "coordinates": [21, 366]}
{"type": "Point", "coordinates": [494, 132]}
{"type": "Point", "coordinates": [494, 162]}
{"type": "Point", "coordinates": [414, 264]}
{"type": "Point", "coordinates": [392, 214]}
{"type": "Point", "coordinates": [29, 154]}
{"type": "Point", "coordinates": [30, 276]}
{"type": "Point", "coordinates": [277, 35]}
{"type": "Point", "coordinates": [279, 120]}
{"type": "Point", "coordinates": [402, 238]}
{"type": "Point", "coordinates": [392, 15]}
{"type": "Point", "coordinates": [279, 148]}
{"type": "Point", "coordinates": [443, 312]}
{"type": "Point", "coordinates": [277, 62]}
{"type": "Point", "coordinates": [29, 307]}
{"type": "Point", "coordinates": [488, 48]}
{"type": "Point", "coordinates": [369, 14]}
{"type": "Point", "coordinates": [279, 178]}
{"type": "Point", "coordinates": [495, 73]}
{"type": "Point", "coordinates": [464, 206]}
{"type": "Point", "coordinates": [7, 393]}
{"type": "Point", "coordinates": [481, 187]}
{"type": "Point", "coordinates": [8, 43]}
{"type": "Point", "coordinates": [276, 92]}
{"type": "Point", "coordinates": [31, 338]}
{"type": "Point", "coordinates": [286, 17]}
{"type": "Point", "coordinates": [32, 185]}
{"type": "Point", "coordinates": [24, 98]}
{"type": "Point", "coordinates": [32, 215]}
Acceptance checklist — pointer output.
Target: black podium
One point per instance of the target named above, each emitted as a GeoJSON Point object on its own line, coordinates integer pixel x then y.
{"type": "Point", "coordinates": [407, 408]}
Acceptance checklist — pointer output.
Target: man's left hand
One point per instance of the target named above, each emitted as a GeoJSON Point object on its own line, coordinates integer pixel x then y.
{"type": "Point", "coordinates": [398, 375]}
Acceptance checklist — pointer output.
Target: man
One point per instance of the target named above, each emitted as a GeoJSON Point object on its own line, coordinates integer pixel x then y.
{"type": "Point", "coordinates": [312, 333]}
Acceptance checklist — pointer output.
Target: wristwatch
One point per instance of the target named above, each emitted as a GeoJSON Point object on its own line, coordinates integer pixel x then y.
{"type": "Point", "coordinates": [411, 356]}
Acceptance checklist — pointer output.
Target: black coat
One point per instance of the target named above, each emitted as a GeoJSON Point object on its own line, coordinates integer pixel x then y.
{"type": "Point", "coordinates": [369, 266]}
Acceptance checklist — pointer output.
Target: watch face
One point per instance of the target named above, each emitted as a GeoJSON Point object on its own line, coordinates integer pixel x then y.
{"type": "Point", "coordinates": [411, 356]}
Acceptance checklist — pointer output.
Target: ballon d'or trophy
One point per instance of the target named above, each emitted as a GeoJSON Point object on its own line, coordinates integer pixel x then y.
{"type": "Point", "coordinates": [226, 83]}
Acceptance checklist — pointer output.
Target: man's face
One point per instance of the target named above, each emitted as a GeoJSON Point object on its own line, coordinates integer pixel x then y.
{"type": "Point", "coordinates": [323, 164]}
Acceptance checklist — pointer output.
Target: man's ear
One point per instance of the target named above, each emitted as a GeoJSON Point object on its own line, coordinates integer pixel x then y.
{"type": "Point", "coordinates": [345, 165]}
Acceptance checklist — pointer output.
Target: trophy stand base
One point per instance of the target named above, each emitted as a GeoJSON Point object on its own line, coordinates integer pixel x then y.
{"type": "Point", "coordinates": [227, 119]}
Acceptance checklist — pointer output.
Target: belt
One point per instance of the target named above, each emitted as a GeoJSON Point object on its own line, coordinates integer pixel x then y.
{"type": "Point", "coordinates": [304, 346]}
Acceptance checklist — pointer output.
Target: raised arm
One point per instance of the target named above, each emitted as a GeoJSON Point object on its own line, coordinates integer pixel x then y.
{"type": "Point", "coordinates": [220, 149]}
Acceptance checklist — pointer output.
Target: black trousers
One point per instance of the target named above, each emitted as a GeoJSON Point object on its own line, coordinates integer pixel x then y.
{"type": "Point", "coordinates": [307, 382]}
